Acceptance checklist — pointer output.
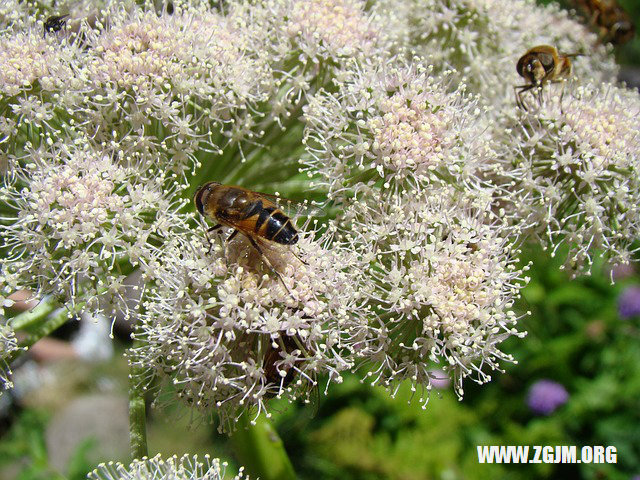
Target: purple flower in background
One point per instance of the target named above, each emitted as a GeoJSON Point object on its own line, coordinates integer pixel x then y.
{"type": "Point", "coordinates": [439, 379]}
{"type": "Point", "coordinates": [545, 396]}
{"type": "Point", "coordinates": [629, 302]}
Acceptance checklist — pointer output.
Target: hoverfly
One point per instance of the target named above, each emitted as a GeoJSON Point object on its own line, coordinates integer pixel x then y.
{"type": "Point", "coordinates": [256, 215]}
{"type": "Point", "coordinates": [541, 65]}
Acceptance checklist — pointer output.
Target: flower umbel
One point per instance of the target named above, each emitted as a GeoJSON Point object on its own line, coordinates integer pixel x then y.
{"type": "Point", "coordinates": [399, 124]}
{"type": "Point", "coordinates": [442, 278]}
{"type": "Point", "coordinates": [173, 468]}
{"type": "Point", "coordinates": [571, 173]}
{"type": "Point", "coordinates": [27, 57]}
{"type": "Point", "coordinates": [339, 26]}
{"type": "Point", "coordinates": [230, 334]}
{"type": "Point", "coordinates": [80, 221]}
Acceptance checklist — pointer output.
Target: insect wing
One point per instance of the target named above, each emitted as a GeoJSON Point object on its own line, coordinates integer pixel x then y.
{"type": "Point", "coordinates": [294, 208]}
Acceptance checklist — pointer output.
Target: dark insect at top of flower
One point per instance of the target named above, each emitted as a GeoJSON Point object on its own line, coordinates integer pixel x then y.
{"type": "Point", "coordinates": [614, 23]}
{"type": "Point", "coordinates": [54, 23]}
{"type": "Point", "coordinates": [541, 65]}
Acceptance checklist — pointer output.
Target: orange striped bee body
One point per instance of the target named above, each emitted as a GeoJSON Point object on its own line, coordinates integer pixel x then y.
{"type": "Point", "coordinates": [249, 212]}
{"type": "Point", "coordinates": [252, 213]}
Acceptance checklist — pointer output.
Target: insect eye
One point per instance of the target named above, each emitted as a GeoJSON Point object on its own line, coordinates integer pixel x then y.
{"type": "Point", "coordinates": [200, 199]}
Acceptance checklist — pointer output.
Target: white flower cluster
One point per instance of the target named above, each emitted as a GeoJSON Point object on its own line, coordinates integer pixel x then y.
{"type": "Point", "coordinates": [159, 84]}
{"type": "Point", "coordinates": [572, 171]}
{"type": "Point", "coordinates": [75, 215]}
{"type": "Point", "coordinates": [27, 57]}
{"type": "Point", "coordinates": [400, 125]}
{"type": "Point", "coordinates": [339, 27]}
{"type": "Point", "coordinates": [193, 52]}
{"type": "Point", "coordinates": [401, 111]}
{"type": "Point", "coordinates": [173, 468]}
{"type": "Point", "coordinates": [442, 279]}
{"type": "Point", "coordinates": [306, 42]}
{"type": "Point", "coordinates": [231, 334]}
{"type": "Point", "coordinates": [12, 14]}
{"type": "Point", "coordinates": [407, 157]}
{"type": "Point", "coordinates": [178, 80]}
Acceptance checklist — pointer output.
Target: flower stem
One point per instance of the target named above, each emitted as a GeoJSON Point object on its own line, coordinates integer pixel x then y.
{"type": "Point", "coordinates": [40, 312]}
{"type": "Point", "coordinates": [137, 412]}
{"type": "Point", "coordinates": [44, 325]}
{"type": "Point", "coordinates": [259, 448]}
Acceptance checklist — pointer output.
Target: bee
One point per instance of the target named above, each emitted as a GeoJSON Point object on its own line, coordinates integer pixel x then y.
{"type": "Point", "coordinates": [614, 23]}
{"type": "Point", "coordinates": [254, 214]}
{"type": "Point", "coordinates": [541, 65]}
{"type": "Point", "coordinates": [54, 23]}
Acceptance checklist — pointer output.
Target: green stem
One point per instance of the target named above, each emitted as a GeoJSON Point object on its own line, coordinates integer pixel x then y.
{"type": "Point", "coordinates": [40, 312]}
{"type": "Point", "coordinates": [137, 412]}
{"type": "Point", "coordinates": [259, 448]}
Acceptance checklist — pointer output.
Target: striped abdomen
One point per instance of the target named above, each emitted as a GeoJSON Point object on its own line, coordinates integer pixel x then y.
{"type": "Point", "coordinates": [271, 223]}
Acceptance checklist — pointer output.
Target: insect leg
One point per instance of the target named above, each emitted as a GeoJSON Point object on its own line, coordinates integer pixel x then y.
{"type": "Point", "coordinates": [209, 230]}
{"type": "Point", "coordinates": [233, 234]}
{"type": "Point", "coordinates": [519, 101]}
{"type": "Point", "coordinates": [300, 259]}
{"type": "Point", "coordinates": [264, 257]}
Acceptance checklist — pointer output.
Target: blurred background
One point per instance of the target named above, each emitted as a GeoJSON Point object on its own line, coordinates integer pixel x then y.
{"type": "Point", "coordinates": [627, 55]}
{"type": "Point", "coordinates": [577, 382]}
